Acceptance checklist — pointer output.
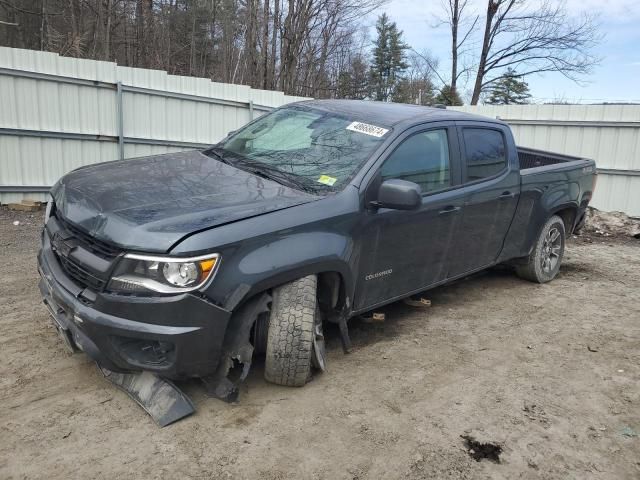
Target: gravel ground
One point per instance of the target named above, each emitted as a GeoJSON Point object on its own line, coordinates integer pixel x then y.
{"type": "Point", "coordinates": [548, 372]}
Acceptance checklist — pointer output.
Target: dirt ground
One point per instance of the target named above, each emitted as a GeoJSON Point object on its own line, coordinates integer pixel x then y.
{"type": "Point", "coordinates": [549, 372]}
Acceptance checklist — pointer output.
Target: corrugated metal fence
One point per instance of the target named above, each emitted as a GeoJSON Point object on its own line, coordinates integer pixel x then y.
{"type": "Point", "coordinates": [610, 134]}
{"type": "Point", "coordinates": [59, 113]}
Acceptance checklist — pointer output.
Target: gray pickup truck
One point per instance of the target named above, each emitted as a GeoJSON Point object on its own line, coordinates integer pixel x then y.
{"type": "Point", "coordinates": [188, 264]}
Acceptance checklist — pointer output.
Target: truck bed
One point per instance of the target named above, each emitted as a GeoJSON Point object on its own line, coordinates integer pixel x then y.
{"type": "Point", "coordinates": [549, 182]}
{"type": "Point", "coordinates": [532, 158]}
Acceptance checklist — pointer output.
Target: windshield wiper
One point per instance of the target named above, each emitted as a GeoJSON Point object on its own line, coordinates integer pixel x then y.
{"type": "Point", "coordinates": [263, 170]}
{"type": "Point", "coordinates": [272, 173]}
{"type": "Point", "coordinates": [219, 156]}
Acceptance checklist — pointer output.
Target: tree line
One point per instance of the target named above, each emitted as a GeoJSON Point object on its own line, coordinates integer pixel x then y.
{"type": "Point", "coordinates": [318, 48]}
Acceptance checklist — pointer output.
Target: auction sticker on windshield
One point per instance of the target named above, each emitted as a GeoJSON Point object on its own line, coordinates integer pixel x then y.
{"type": "Point", "coordinates": [367, 129]}
{"type": "Point", "coordinates": [327, 180]}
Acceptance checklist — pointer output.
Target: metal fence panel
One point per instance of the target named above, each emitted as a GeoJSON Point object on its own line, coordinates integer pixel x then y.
{"type": "Point", "coordinates": [59, 113]}
{"type": "Point", "coordinates": [610, 134]}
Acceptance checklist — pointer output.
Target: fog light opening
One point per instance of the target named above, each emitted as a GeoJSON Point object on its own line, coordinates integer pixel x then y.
{"type": "Point", "coordinates": [147, 353]}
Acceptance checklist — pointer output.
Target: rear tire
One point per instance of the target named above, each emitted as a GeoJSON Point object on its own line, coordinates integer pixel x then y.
{"type": "Point", "coordinates": [544, 262]}
{"type": "Point", "coordinates": [294, 325]}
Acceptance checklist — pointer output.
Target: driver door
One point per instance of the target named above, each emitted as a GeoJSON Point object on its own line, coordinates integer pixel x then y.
{"type": "Point", "coordinates": [406, 251]}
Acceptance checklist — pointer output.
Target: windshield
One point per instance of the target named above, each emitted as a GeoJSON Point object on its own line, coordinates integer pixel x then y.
{"type": "Point", "coordinates": [315, 149]}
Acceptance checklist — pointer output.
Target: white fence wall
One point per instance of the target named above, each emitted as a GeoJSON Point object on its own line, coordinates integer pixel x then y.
{"type": "Point", "coordinates": [609, 134]}
{"type": "Point", "coordinates": [59, 113]}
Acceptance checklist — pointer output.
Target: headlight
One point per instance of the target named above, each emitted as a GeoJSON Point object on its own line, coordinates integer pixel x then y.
{"type": "Point", "coordinates": [143, 273]}
{"type": "Point", "coordinates": [47, 211]}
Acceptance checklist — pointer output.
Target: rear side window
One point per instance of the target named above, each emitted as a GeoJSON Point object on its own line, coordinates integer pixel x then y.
{"type": "Point", "coordinates": [422, 158]}
{"type": "Point", "coordinates": [485, 153]}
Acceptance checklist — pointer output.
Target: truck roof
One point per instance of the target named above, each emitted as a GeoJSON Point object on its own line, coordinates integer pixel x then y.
{"type": "Point", "coordinates": [391, 114]}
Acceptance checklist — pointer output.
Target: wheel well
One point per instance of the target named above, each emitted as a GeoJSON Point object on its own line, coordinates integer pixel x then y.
{"type": "Point", "coordinates": [332, 297]}
{"type": "Point", "coordinates": [568, 216]}
{"type": "Point", "coordinates": [331, 291]}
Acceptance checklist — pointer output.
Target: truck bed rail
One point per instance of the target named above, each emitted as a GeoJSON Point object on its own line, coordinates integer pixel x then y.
{"type": "Point", "coordinates": [532, 158]}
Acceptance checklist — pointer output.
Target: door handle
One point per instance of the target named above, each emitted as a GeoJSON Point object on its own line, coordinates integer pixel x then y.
{"type": "Point", "coordinates": [506, 195]}
{"type": "Point", "coordinates": [448, 209]}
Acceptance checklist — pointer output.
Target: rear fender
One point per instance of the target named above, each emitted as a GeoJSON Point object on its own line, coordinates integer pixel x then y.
{"type": "Point", "coordinates": [536, 205]}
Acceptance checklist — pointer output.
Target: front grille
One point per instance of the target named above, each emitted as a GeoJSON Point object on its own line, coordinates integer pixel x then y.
{"type": "Point", "coordinates": [95, 246]}
{"type": "Point", "coordinates": [81, 275]}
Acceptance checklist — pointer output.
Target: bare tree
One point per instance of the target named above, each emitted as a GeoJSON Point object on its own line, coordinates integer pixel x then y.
{"type": "Point", "coordinates": [535, 40]}
{"type": "Point", "coordinates": [265, 44]}
{"type": "Point", "coordinates": [455, 11]}
{"type": "Point", "coordinates": [144, 30]}
{"type": "Point", "coordinates": [300, 46]}
{"type": "Point", "coordinates": [417, 86]}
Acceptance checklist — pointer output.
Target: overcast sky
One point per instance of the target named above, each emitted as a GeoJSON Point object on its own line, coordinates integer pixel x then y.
{"type": "Point", "coordinates": [617, 78]}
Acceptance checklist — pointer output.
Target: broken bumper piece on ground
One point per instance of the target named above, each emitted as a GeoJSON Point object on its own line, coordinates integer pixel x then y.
{"type": "Point", "coordinates": [160, 398]}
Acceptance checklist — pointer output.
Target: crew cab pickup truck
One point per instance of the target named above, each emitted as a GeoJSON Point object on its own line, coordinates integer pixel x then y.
{"type": "Point", "coordinates": [188, 264]}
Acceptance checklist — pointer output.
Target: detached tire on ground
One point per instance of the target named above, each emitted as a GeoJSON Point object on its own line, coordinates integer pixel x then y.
{"type": "Point", "coordinates": [544, 262]}
{"type": "Point", "coordinates": [295, 341]}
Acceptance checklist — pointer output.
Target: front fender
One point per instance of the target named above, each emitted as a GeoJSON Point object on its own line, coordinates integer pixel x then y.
{"type": "Point", "coordinates": [254, 268]}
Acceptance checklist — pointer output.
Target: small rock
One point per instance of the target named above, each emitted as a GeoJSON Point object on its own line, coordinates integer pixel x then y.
{"type": "Point", "coordinates": [592, 348]}
{"type": "Point", "coordinates": [620, 371]}
{"type": "Point", "coordinates": [16, 223]}
{"type": "Point", "coordinates": [530, 347]}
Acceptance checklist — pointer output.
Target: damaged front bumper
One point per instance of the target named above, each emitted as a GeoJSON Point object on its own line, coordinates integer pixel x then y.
{"type": "Point", "coordinates": [174, 337]}
{"type": "Point", "coordinates": [140, 343]}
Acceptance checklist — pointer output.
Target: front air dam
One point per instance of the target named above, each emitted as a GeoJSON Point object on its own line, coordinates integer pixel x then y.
{"type": "Point", "coordinates": [160, 398]}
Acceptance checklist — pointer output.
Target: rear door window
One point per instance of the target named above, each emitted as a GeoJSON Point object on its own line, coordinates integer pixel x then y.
{"type": "Point", "coordinates": [485, 153]}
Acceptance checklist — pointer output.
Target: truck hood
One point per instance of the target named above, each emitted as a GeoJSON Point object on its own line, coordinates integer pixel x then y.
{"type": "Point", "coordinates": [150, 203]}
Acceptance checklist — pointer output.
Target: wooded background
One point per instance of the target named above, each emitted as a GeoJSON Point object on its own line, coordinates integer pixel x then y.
{"type": "Point", "coordinates": [298, 47]}
{"type": "Point", "coordinates": [316, 48]}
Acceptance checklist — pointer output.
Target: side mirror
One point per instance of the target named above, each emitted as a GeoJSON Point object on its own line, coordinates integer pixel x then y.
{"type": "Point", "coordinates": [399, 195]}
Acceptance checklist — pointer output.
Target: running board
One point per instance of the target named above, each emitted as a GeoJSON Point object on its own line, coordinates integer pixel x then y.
{"type": "Point", "coordinates": [161, 399]}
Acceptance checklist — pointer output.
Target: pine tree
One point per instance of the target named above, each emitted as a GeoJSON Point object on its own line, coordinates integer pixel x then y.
{"type": "Point", "coordinates": [448, 96]}
{"type": "Point", "coordinates": [416, 91]}
{"type": "Point", "coordinates": [353, 82]}
{"type": "Point", "coordinates": [344, 84]}
{"type": "Point", "coordinates": [509, 90]}
{"type": "Point", "coordinates": [389, 59]}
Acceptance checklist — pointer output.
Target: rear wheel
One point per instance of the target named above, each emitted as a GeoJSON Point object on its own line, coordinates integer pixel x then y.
{"type": "Point", "coordinates": [544, 262]}
{"type": "Point", "coordinates": [295, 341]}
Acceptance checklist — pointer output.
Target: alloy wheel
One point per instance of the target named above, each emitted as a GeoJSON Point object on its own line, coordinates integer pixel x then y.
{"type": "Point", "coordinates": [551, 248]}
